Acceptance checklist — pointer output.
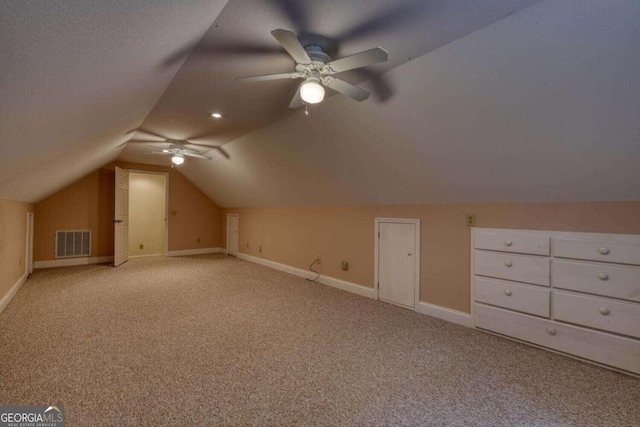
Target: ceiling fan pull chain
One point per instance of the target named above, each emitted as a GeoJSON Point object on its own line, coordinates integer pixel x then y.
{"type": "Point", "coordinates": [306, 109]}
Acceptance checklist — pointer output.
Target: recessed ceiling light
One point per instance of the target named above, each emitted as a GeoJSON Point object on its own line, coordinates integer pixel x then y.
{"type": "Point", "coordinates": [216, 115]}
{"type": "Point", "coordinates": [165, 151]}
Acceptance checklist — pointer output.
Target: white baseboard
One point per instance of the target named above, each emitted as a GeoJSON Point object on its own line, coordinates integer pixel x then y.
{"type": "Point", "coordinates": [68, 262]}
{"type": "Point", "coordinates": [200, 251]}
{"type": "Point", "coordinates": [453, 316]}
{"type": "Point", "coordinates": [6, 299]}
{"type": "Point", "coordinates": [325, 280]}
{"type": "Point", "coordinates": [144, 256]}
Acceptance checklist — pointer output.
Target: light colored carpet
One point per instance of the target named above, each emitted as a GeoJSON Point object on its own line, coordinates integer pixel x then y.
{"type": "Point", "coordinates": [213, 340]}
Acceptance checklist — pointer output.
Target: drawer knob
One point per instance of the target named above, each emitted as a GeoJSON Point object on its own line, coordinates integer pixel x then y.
{"type": "Point", "coordinates": [604, 310]}
{"type": "Point", "coordinates": [603, 250]}
{"type": "Point", "coordinates": [551, 331]}
{"type": "Point", "coordinates": [507, 292]}
{"type": "Point", "coordinates": [508, 263]}
{"type": "Point", "coordinates": [603, 276]}
{"type": "Point", "coordinates": [508, 243]}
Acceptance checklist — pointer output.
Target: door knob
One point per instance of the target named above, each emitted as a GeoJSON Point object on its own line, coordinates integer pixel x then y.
{"type": "Point", "coordinates": [117, 220]}
{"type": "Point", "coordinates": [603, 276]}
{"type": "Point", "coordinates": [508, 243]}
{"type": "Point", "coordinates": [409, 254]}
{"type": "Point", "coordinates": [603, 251]}
{"type": "Point", "coordinates": [508, 263]}
{"type": "Point", "coordinates": [507, 292]}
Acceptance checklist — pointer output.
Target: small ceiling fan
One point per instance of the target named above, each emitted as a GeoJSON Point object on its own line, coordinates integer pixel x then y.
{"type": "Point", "coordinates": [317, 69]}
{"type": "Point", "coordinates": [177, 149]}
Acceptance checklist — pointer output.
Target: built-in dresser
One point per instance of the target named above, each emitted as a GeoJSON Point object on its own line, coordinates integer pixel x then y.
{"type": "Point", "coordinates": [575, 293]}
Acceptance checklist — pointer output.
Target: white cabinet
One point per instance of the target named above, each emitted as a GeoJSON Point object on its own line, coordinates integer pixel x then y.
{"type": "Point", "coordinates": [575, 293]}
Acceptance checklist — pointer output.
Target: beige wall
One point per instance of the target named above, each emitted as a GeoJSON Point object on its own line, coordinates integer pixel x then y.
{"type": "Point", "coordinates": [89, 204]}
{"type": "Point", "coordinates": [13, 238]}
{"type": "Point", "coordinates": [146, 213]}
{"type": "Point", "coordinates": [295, 236]}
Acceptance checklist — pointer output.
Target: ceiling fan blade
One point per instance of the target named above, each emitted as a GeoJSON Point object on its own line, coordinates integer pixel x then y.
{"type": "Point", "coordinates": [157, 152]}
{"type": "Point", "coordinates": [362, 59]}
{"type": "Point", "coordinates": [147, 134]}
{"type": "Point", "coordinates": [199, 156]}
{"type": "Point", "coordinates": [348, 89]}
{"type": "Point", "coordinates": [292, 45]}
{"type": "Point", "coordinates": [156, 146]}
{"type": "Point", "coordinates": [148, 141]}
{"type": "Point", "coordinates": [210, 147]}
{"type": "Point", "coordinates": [185, 150]}
{"type": "Point", "coordinates": [297, 101]}
{"type": "Point", "coordinates": [267, 77]}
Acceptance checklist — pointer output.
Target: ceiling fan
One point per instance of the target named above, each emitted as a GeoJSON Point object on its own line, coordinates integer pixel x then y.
{"type": "Point", "coordinates": [177, 149]}
{"type": "Point", "coordinates": [318, 70]}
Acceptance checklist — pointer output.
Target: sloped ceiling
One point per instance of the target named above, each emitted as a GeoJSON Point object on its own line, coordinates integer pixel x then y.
{"type": "Point", "coordinates": [502, 101]}
{"type": "Point", "coordinates": [77, 75]}
{"type": "Point", "coordinates": [542, 106]}
{"type": "Point", "coordinates": [240, 44]}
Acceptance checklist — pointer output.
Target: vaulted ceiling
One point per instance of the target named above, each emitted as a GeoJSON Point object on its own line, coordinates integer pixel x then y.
{"type": "Point", "coordinates": [496, 101]}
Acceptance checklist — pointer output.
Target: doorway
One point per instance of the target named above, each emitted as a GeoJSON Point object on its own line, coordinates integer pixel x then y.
{"type": "Point", "coordinates": [232, 234]}
{"type": "Point", "coordinates": [397, 261]}
{"type": "Point", "coordinates": [148, 209]}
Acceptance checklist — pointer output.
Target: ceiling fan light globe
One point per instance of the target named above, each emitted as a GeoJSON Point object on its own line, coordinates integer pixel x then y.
{"type": "Point", "coordinates": [312, 92]}
{"type": "Point", "coordinates": [177, 160]}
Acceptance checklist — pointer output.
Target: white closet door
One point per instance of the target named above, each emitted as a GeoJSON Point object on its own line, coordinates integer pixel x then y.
{"type": "Point", "coordinates": [396, 263]}
{"type": "Point", "coordinates": [121, 221]}
{"type": "Point", "coordinates": [232, 234]}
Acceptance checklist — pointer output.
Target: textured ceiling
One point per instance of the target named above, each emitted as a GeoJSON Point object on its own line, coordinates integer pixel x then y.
{"type": "Point", "coordinates": [543, 106]}
{"type": "Point", "coordinates": [76, 76]}
{"type": "Point", "coordinates": [240, 44]}
{"type": "Point", "coordinates": [502, 100]}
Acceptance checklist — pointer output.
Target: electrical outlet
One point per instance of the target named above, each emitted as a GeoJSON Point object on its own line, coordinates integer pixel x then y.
{"type": "Point", "coordinates": [141, 246]}
{"type": "Point", "coordinates": [471, 220]}
{"type": "Point", "coordinates": [345, 265]}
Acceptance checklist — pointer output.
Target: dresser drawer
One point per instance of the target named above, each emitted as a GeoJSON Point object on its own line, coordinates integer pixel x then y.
{"type": "Point", "coordinates": [595, 312]}
{"type": "Point", "coordinates": [600, 279]}
{"type": "Point", "coordinates": [512, 241]}
{"type": "Point", "coordinates": [528, 269]}
{"type": "Point", "coordinates": [597, 250]}
{"type": "Point", "coordinates": [525, 298]}
{"type": "Point", "coordinates": [620, 352]}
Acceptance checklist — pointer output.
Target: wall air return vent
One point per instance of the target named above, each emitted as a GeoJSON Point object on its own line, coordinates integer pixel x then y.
{"type": "Point", "coordinates": [73, 243]}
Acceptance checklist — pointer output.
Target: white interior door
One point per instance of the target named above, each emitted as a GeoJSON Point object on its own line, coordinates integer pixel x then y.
{"type": "Point", "coordinates": [29, 254]}
{"type": "Point", "coordinates": [121, 221]}
{"type": "Point", "coordinates": [396, 263]}
{"type": "Point", "coordinates": [232, 234]}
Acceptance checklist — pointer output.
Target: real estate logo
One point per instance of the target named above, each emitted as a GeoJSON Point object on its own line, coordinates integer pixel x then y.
{"type": "Point", "coordinates": [31, 416]}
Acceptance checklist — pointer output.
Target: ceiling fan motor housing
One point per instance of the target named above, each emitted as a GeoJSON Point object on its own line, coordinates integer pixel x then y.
{"type": "Point", "coordinates": [316, 54]}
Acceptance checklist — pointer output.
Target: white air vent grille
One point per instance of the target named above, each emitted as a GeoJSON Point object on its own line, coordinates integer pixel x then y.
{"type": "Point", "coordinates": [73, 243]}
